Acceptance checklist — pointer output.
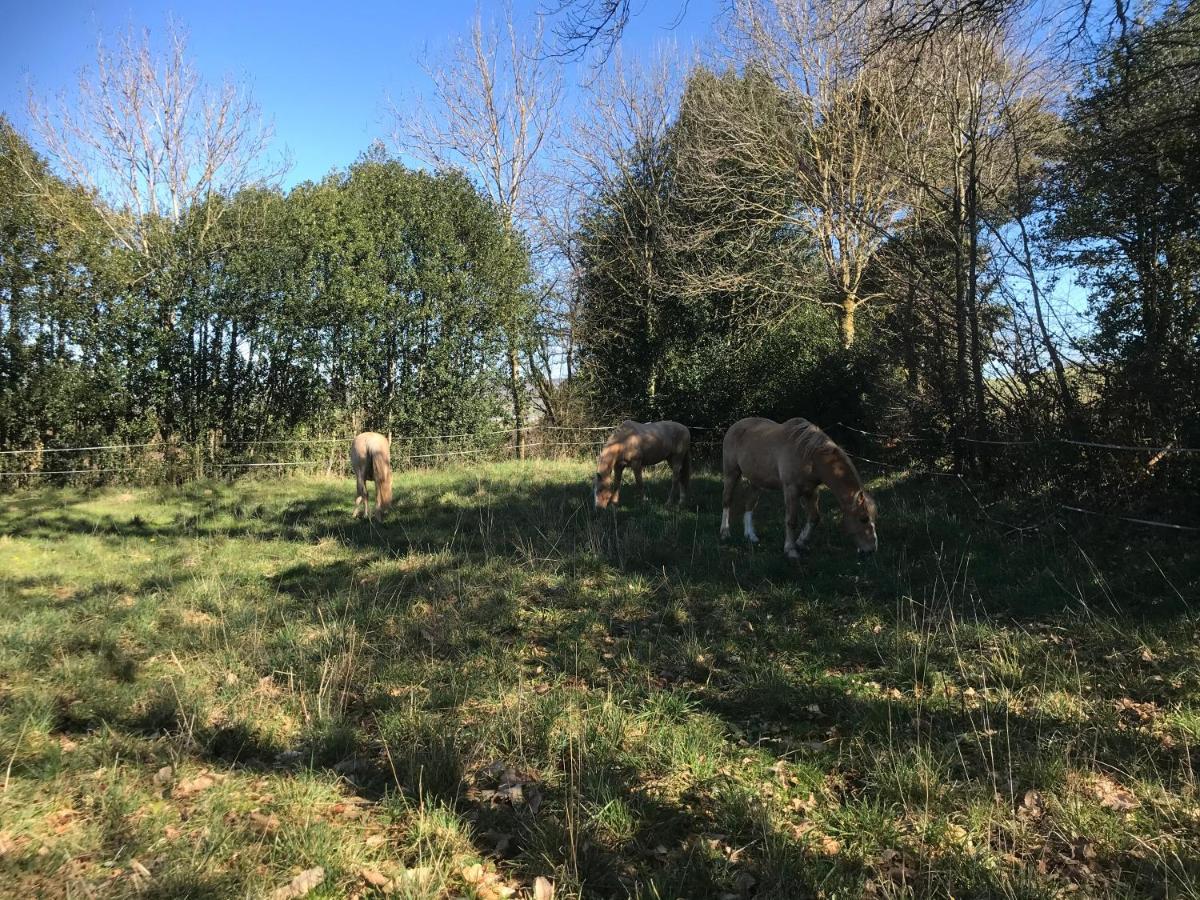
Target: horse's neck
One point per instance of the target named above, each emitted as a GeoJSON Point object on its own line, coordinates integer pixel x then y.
{"type": "Point", "coordinates": [608, 457]}
{"type": "Point", "coordinates": [843, 484]}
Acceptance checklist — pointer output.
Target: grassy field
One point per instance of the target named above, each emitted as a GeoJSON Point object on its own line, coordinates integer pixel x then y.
{"type": "Point", "coordinates": [235, 690]}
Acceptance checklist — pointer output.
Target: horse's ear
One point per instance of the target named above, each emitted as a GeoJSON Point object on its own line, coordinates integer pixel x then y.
{"type": "Point", "coordinates": [859, 498]}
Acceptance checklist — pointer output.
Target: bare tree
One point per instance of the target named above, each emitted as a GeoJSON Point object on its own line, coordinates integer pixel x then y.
{"type": "Point", "coordinates": [617, 146]}
{"type": "Point", "coordinates": [493, 114]}
{"type": "Point", "coordinates": [850, 113]}
{"type": "Point", "coordinates": [149, 139]}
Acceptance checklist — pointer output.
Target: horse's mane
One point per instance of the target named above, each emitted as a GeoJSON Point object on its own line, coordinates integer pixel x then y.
{"type": "Point", "coordinates": [813, 443]}
{"type": "Point", "coordinates": [807, 437]}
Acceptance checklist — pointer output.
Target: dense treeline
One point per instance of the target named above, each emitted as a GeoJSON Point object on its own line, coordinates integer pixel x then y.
{"type": "Point", "coordinates": [857, 224]}
{"type": "Point", "coordinates": [377, 297]}
{"type": "Point", "coordinates": [873, 235]}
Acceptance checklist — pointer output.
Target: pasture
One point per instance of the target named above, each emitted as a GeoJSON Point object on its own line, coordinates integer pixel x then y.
{"type": "Point", "coordinates": [208, 691]}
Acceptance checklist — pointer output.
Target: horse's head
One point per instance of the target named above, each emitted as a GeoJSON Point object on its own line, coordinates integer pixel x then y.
{"type": "Point", "coordinates": [602, 489]}
{"type": "Point", "coordinates": [858, 519]}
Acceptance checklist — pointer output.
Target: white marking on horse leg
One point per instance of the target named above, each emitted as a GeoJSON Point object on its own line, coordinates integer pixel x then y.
{"type": "Point", "coordinates": [725, 522]}
{"type": "Point", "coordinates": [791, 551]}
{"type": "Point", "coordinates": [804, 533]}
{"type": "Point", "coordinates": [748, 526]}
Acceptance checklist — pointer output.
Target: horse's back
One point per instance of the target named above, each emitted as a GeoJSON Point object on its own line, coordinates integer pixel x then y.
{"type": "Point", "coordinates": [765, 450]}
{"type": "Point", "coordinates": [366, 445]}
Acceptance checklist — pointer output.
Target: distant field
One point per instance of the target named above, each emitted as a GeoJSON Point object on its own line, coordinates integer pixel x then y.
{"type": "Point", "coordinates": [210, 691]}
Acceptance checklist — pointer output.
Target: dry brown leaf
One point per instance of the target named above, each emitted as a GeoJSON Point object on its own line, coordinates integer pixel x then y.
{"type": "Point", "coordinates": [1112, 796]}
{"type": "Point", "coordinates": [191, 786]}
{"type": "Point", "coordinates": [472, 873]}
{"type": "Point", "coordinates": [139, 869]}
{"type": "Point", "coordinates": [1083, 849]}
{"type": "Point", "coordinates": [263, 822]}
{"type": "Point", "coordinates": [543, 888]}
{"type": "Point", "coordinates": [7, 844]}
{"type": "Point", "coordinates": [830, 846]}
{"type": "Point", "coordinates": [1032, 804]}
{"type": "Point", "coordinates": [375, 878]}
{"type": "Point", "coordinates": [302, 884]}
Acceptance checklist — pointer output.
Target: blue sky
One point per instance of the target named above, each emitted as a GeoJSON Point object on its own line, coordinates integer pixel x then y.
{"type": "Point", "coordinates": [324, 75]}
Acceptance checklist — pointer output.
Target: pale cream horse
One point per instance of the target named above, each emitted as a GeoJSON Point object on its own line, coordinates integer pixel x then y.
{"type": "Point", "coordinates": [797, 457]}
{"type": "Point", "coordinates": [371, 459]}
{"type": "Point", "coordinates": [638, 445]}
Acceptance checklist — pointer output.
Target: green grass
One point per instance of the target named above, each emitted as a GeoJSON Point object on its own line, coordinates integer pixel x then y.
{"type": "Point", "coordinates": [205, 691]}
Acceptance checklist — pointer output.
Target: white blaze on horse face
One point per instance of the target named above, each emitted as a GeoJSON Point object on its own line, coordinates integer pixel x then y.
{"type": "Point", "coordinates": [748, 525]}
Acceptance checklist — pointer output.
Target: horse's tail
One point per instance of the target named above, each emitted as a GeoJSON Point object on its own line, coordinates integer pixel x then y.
{"type": "Point", "coordinates": [381, 472]}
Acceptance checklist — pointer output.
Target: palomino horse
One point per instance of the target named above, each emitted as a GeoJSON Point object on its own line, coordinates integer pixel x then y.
{"type": "Point", "coordinates": [798, 457]}
{"type": "Point", "coordinates": [371, 458]}
{"type": "Point", "coordinates": [637, 445]}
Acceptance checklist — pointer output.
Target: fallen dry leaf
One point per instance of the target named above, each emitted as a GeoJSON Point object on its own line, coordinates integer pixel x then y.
{"type": "Point", "coordinates": [1112, 796]}
{"type": "Point", "coordinates": [543, 888]}
{"type": "Point", "coordinates": [300, 885]}
{"type": "Point", "coordinates": [263, 822]}
{"type": "Point", "coordinates": [1083, 849]}
{"type": "Point", "coordinates": [472, 873]}
{"type": "Point", "coordinates": [189, 787]}
{"type": "Point", "coordinates": [1032, 805]}
{"type": "Point", "coordinates": [375, 878]}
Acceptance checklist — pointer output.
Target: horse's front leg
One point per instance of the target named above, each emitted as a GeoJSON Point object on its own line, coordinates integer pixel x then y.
{"type": "Point", "coordinates": [618, 470]}
{"type": "Point", "coordinates": [637, 476]}
{"type": "Point", "coordinates": [813, 510]}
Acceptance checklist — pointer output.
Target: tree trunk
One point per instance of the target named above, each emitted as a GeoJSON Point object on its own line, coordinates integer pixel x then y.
{"type": "Point", "coordinates": [518, 400]}
{"type": "Point", "coordinates": [849, 308]}
{"type": "Point", "coordinates": [973, 292]}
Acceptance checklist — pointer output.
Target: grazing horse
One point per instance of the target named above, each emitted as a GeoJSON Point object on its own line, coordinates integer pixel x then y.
{"type": "Point", "coordinates": [637, 445]}
{"type": "Point", "coordinates": [798, 457]}
{"type": "Point", "coordinates": [371, 458]}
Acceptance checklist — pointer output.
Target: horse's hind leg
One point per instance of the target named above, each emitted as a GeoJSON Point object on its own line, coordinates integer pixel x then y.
{"type": "Point", "coordinates": [682, 472]}
{"type": "Point", "coordinates": [748, 515]}
{"type": "Point", "coordinates": [360, 497]}
{"type": "Point", "coordinates": [637, 476]}
{"type": "Point", "coordinates": [791, 502]}
{"type": "Point", "coordinates": [731, 482]}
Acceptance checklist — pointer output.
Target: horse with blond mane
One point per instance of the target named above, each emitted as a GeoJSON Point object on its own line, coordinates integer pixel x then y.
{"type": "Point", "coordinates": [371, 459]}
{"type": "Point", "coordinates": [637, 445]}
{"type": "Point", "coordinates": [797, 457]}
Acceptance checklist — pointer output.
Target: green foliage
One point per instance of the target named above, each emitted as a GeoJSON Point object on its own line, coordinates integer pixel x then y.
{"type": "Point", "coordinates": [699, 305]}
{"type": "Point", "coordinates": [1128, 193]}
{"type": "Point", "coordinates": [380, 296]}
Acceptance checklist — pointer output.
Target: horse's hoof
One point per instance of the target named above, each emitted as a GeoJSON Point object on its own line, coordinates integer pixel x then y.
{"type": "Point", "coordinates": [792, 553]}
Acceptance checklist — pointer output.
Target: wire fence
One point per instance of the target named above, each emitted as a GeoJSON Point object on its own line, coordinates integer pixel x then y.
{"type": "Point", "coordinates": [155, 461]}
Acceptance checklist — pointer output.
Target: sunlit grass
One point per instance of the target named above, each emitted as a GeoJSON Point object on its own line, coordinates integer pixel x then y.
{"type": "Point", "coordinates": [205, 691]}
